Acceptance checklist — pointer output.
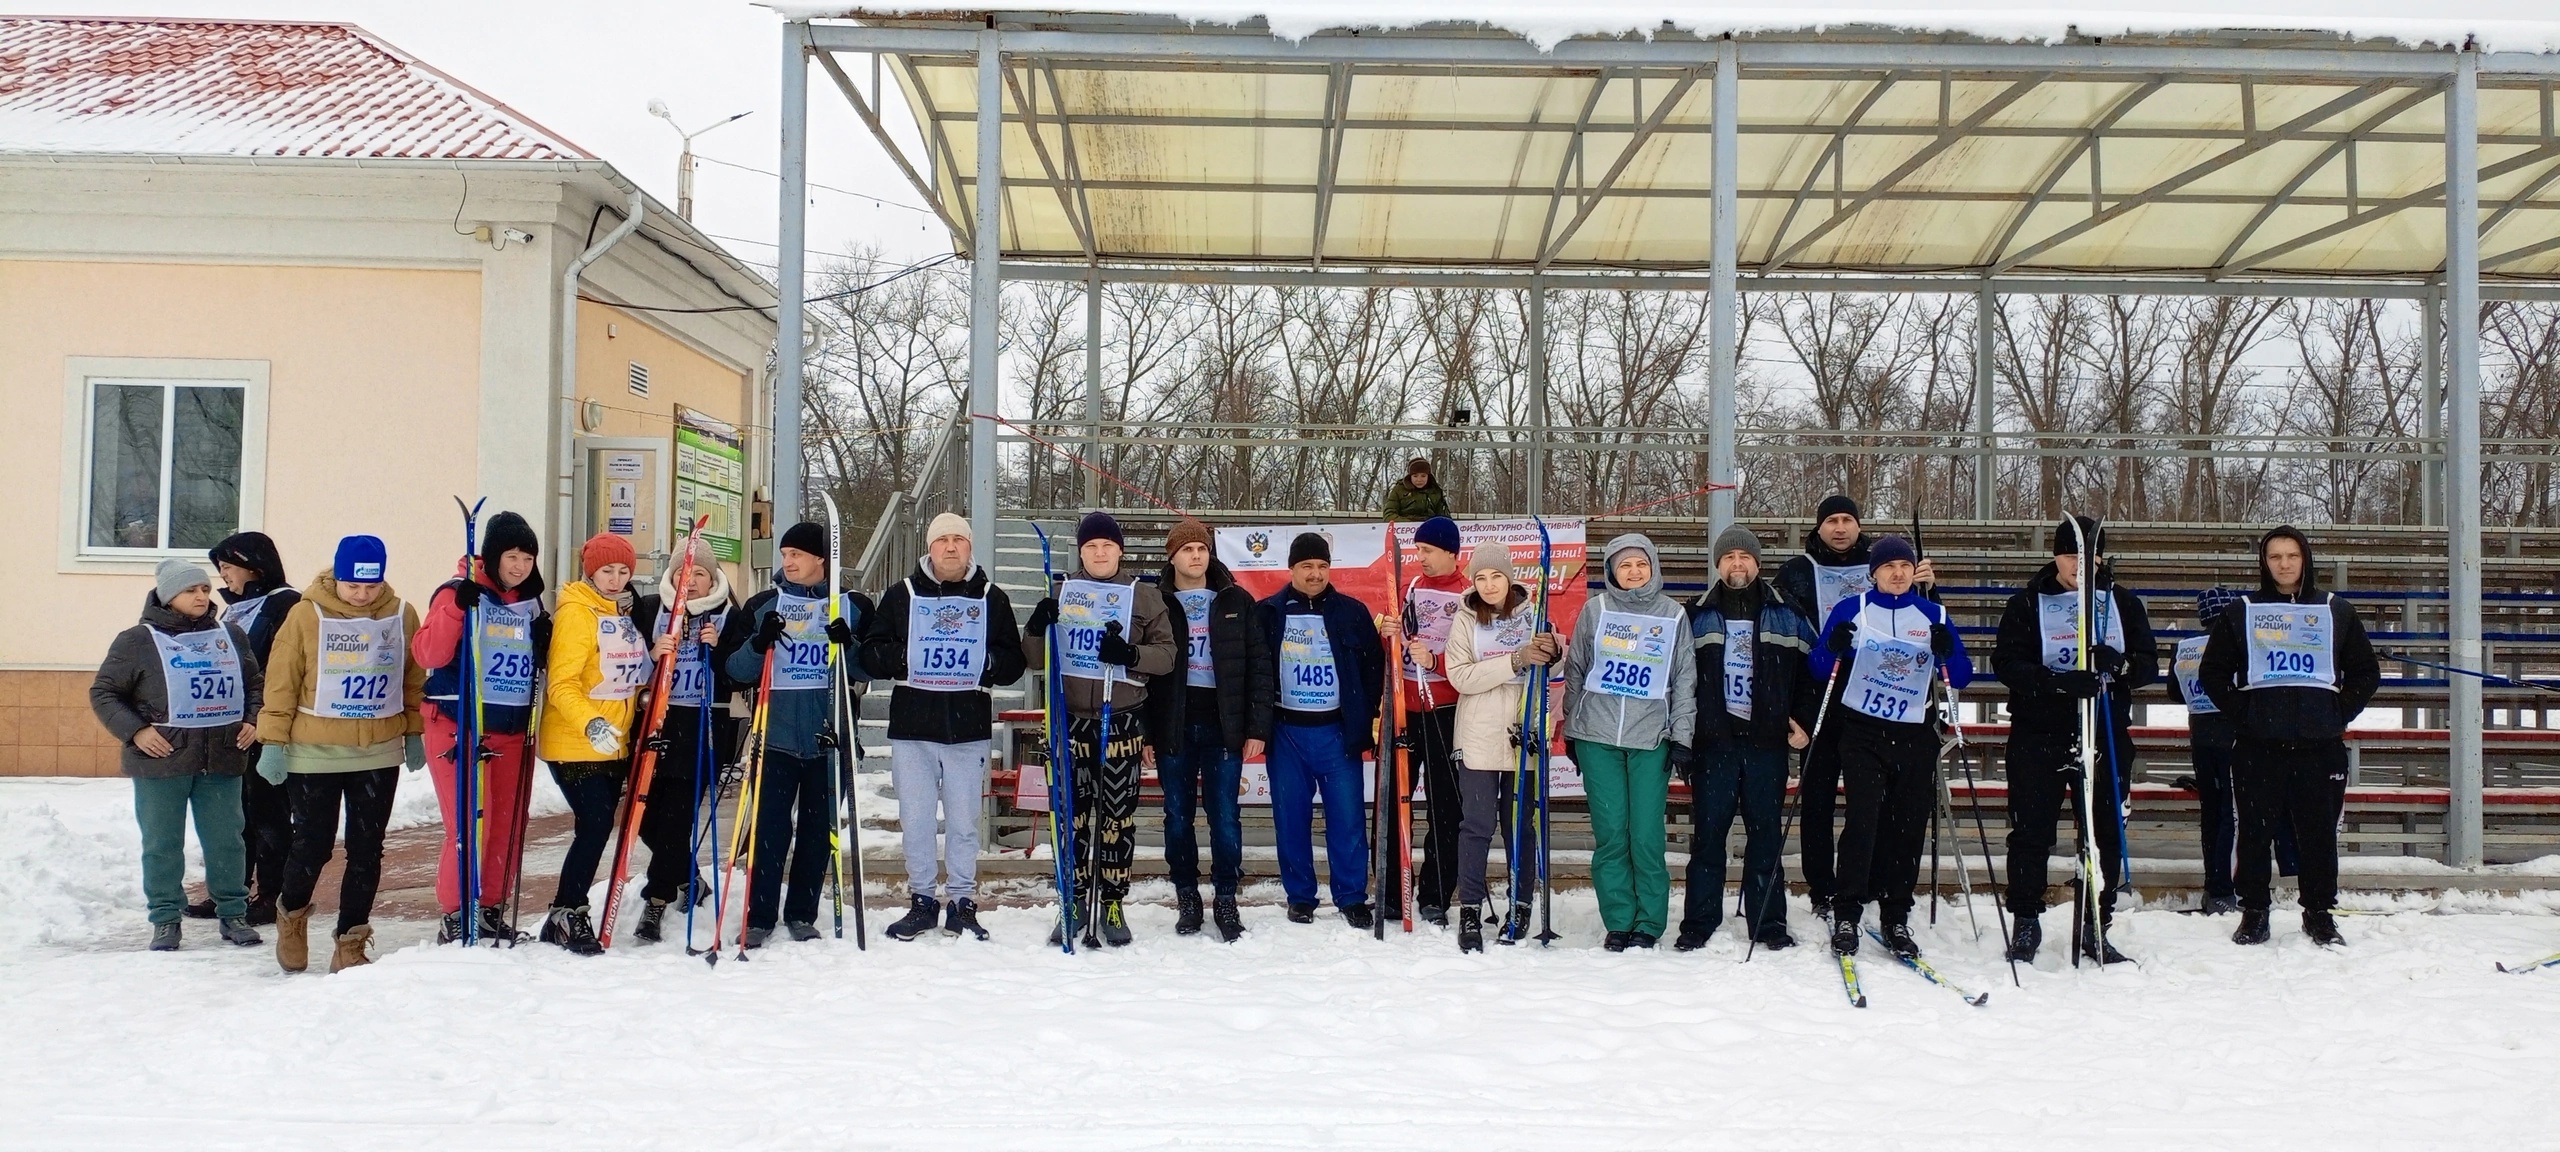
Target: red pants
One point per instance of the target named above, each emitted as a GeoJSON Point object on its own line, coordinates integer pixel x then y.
{"type": "Point", "coordinates": [502, 815]}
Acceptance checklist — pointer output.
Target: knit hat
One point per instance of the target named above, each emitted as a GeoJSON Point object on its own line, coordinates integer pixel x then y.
{"type": "Point", "coordinates": [1834, 505]}
{"type": "Point", "coordinates": [175, 576]}
{"type": "Point", "coordinates": [2213, 602]}
{"type": "Point", "coordinates": [605, 548]}
{"type": "Point", "coordinates": [361, 560]}
{"type": "Point", "coordinates": [1420, 464]}
{"type": "Point", "coordinates": [1735, 536]}
{"type": "Point", "coordinates": [1188, 532]}
{"type": "Point", "coordinates": [704, 555]}
{"type": "Point", "coordinates": [806, 536]}
{"type": "Point", "coordinates": [949, 524]}
{"type": "Point", "coordinates": [1439, 532]}
{"type": "Point", "coordinates": [1099, 526]}
{"type": "Point", "coordinates": [2066, 536]}
{"type": "Point", "coordinates": [1310, 546]}
{"type": "Point", "coordinates": [1888, 550]}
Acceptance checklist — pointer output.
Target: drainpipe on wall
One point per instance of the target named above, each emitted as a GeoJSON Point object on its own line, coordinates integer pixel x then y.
{"type": "Point", "coordinates": [563, 549]}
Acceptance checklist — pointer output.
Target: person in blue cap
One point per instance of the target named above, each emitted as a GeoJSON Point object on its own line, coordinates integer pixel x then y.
{"type": "Point", "coordinates": [1431, 599]}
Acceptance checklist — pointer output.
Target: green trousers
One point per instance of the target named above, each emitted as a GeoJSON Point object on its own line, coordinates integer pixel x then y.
{"type": "Point", "coordinates": [1626, 789]}
{"type": "Point", "coordinates": [160, 806]}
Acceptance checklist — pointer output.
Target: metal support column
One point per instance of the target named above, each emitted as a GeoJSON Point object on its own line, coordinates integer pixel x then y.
{"type": "Point", "coordinates": [1986, 454]}
{"type": "Point", "coordinates": [2431, 399]}
{"type": "Point", "coordinates": [986, 286]}
{"type": "Point", "coordinates": [2462, 450]}
{"type": "Point", "coordinates": [1537, 486]}
{"type": "Point", "coordinates": [1723, 293]}
{"type": "Point", "coordinates": [789, 276]}
{"type": "Point", "coordinates": [1093, 386]}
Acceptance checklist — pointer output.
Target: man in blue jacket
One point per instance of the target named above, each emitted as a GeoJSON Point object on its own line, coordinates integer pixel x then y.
{"type": "Point", "coordinates": [1331, 669]}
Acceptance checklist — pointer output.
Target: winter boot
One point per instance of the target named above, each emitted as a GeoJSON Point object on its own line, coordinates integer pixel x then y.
{"type": "Point", "coordinates": [1690, 939]}
{"type": "Point", "coordinates": [1186, 920]}
{"type": "Point", "coordinates": [1115, 925]}
{"type": "Point", "coordinates": [201, 909]}
{"type": "Point", "coordinates": [1821, 908]}
{"type": "Point", "coordinates": [922, 911]}
{"type": "Point", "coordinates": [2025, 938]}
{"type": "Point", "coordinates": [1898, 937]}
{"type": "Point", "coordinates": [1515, 927]}
{"type": "Point", "coordinates": [653, 922]}
{"type": "Point", "coordinates": [1302, 913]}
{"type": "Point", "coordinates": [2253, 927]}
{"type": "Point", "coordinates": [350, 950]}
{"type": "Point", "coordinates": [1223, 914]}
{"type": "Point", "coordinates": [2221, 905]}
{"type": "Point", "coordinates": [1435, 915]}
{"type": "Point", "coordinates": [237, 932]}
{"type": "Point", "coordinates": [754, 938]}
{"type": "Point", "coordinates": [1775, 938]}
{"type": "Point", "coordinates": [2104, 952]}
{"type": "Point", "coordinates": [2322, 928]}
{"type": "Point", "coordinates": [449, 929]}
{"type": "Point", "coordinates": [1615, 941]}
{"type": "Point", "coordinates": [570, 929]}
{"type": "Point", "coordinates": [1642, 940]}
{"type": "Point", "coordinates": [803, 931]}
{"type": "Point", "coordinates": [493, 925]}
{"type": "Point", "coordinates": [164, 937]}
{"type": "Point", "coordinates": [1470, 929]}
{"type": "Point", "coordinates": [1360, 916]}
{"type": "Point", "coordinates": [262, 910]}
{"type": "Point", "coordinates": [1844, 936]}
{"type": "Point", "coordinates": [961, 916]}
{"type": "Point", "coordinates": [293, 939]}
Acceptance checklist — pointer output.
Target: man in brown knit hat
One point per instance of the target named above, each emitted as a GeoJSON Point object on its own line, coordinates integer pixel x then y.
{"type": "Point", "coordinates": [1199, 735]}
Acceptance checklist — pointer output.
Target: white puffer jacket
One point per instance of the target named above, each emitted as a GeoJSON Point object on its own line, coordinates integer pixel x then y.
{"type": "Point", "coordinates": [1489, 692]}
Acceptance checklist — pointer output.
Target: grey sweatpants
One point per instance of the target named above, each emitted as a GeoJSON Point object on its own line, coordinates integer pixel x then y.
{"type": "Point", "coordinates": [945, 784]}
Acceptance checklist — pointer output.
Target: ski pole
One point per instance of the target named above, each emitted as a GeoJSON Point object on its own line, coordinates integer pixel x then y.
{"type": "Point", "coordinates": [1057, 760]}
{"type": "Point", "coordinates": [1813, 740]}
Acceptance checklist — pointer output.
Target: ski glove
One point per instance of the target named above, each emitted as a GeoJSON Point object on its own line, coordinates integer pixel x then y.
{"type": "Point", "coordinates": [1043, 615]}
{"type": "Point", "coordinates": [768, 632]}
{"type": "Point", "coordinates": [602, 738]}
{"type": "Point", "coordinates": [1680, 759]}
{"type": "Point", "coordinates": [2076, 684]}
{"type": "Point", "coordinates": [466, 594]}
{"type": "Point", "coordinates": [2106, 660]}
{"type": "Point", "coordinates": [1114, 648]}
{"type": "Point", "coordinates": [1942, 642]}
{"type": "Point", "coordinates": [840, 631]}
{"type": "Point", "coordinates": [1843, 638]}
{"type": "Point", "coordinates": [413, 752]}
{"type": "Point", "coordinates": [541, 633]}
{"type": "Point", "coordinates": [659, 743]}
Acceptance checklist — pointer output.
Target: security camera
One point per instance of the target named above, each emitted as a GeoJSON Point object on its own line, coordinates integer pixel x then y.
{"type": "Point", "coordinates": [518, 235]}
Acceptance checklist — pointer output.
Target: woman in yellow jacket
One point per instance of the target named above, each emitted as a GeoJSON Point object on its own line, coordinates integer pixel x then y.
{"type": "Point", "coordinates": [598, 666]}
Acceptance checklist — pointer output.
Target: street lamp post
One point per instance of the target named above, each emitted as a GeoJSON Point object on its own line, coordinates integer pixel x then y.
{"type": "Point", "coordinates": [684, 162]}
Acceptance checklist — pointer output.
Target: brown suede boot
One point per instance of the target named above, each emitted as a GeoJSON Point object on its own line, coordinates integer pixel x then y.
{"type": "Point", "coordinates": [350, 951]}
{"type": "Point", "coordinates": [293, 939]}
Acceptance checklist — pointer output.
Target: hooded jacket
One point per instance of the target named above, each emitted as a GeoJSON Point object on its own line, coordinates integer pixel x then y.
{"type": "Point", "coordinates": [1151, 629]}
{"type": "Point", "coordinates": [270, 594]}
{"type": "Point", "coordinates": [2287, 713]}
{"type": "Point", "coordinates": [1407, 504]}
{"type": "Point", "coordinates": [131, 692]}
{"type": "Point", "coordinates": [1621, 721]}
{"type": "Point", "coordinates": [1487, 724]}
{"type": "Point", "coordinates": [573, 670]}
{"type": "Point", "coordinates": [1359, 658]}
{"type": "Point", "coordinates": [440, 642]}
{"type": "Point", "coordinates": [2036, 703]}
{"type": "Point", "coordinates": [294, 669]}
{"type": "Point", "coordinates": [1782, 683]}
{"type": "Point", "coordinates": [922, 713]}
{"type": "Point", "coordinates": [713, 608]}
{"type": "Point", "coordinates": [1241, 661]}
{"type": "Point", "coordinates": [792, 719]}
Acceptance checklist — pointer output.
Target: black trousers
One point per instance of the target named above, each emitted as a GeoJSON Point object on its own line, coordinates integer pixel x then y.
{"type": "Point", "coordinates": [2302, 786]}
{"type": "Point", "coordinates": [2044, 767]}
{"type": "Point", "coordinates": [317, 799]}
{"type": "Point", "coordinates": [1435, 769]}
{"type": "Point", "coordinates": [795, 809]}
{"type": "Point", "coordinates": [675, 802]}
{"type": "Point", "coordinates": [266, 827]}
{"type": "Point", "coordinates": [1890, 774]}
{"type": "Point", "coordinates": [1106, 799]}
{"type": "Point", "coordinates": [1817, 798]}
{"type": "Point", "coordinates": [594, 792]}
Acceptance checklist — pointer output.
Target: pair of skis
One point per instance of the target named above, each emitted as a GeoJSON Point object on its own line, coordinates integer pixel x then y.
{"type": "Point", "coordinates": [1532, 772]}
{"type": "Point", "coordinates": [644, 769]}
{"type": "Point", "coordinates": [1058, 759]}
{"type": "Point", "coordinates": [1396, 805]}
{"type": "Point", "coordinates": [471, 730]}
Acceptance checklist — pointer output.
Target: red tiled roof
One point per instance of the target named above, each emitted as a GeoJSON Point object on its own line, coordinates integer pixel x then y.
{"type": "Point", "coordinates": [244, 88]}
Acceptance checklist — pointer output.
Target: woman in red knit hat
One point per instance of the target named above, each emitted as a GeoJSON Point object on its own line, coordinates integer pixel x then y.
{"type": "Point", "coordinates": [598, 665]}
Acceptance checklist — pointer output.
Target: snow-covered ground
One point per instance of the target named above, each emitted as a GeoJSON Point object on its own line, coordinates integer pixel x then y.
{"type": "Point", "coordinates": [1298, 1036]}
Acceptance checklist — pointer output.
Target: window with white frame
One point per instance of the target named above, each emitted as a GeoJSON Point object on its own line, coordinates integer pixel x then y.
{"type": "Point", "coordinates": [163, 463]}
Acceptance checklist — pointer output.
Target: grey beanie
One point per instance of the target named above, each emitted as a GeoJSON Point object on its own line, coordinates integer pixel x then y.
{"type": "Point", "coordinates": [1735, 536]}
{"type": "Point", "coordinates": [175, 576]}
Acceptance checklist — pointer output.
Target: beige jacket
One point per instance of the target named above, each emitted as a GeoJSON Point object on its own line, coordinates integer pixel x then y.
{"type": "Point", "coordinates": [1489, 692]}
{"type": "Point", "coordinates": [293, 664]}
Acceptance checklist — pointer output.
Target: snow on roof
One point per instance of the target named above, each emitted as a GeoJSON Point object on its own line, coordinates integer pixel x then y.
{"type": "Point", "coordinates": [244, 88]}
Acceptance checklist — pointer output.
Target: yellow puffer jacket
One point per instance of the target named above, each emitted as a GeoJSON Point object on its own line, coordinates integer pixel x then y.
{"type": "Point", "coordinates": [293, 666]}
{"type": "Point", "coordinates": [568, 701]}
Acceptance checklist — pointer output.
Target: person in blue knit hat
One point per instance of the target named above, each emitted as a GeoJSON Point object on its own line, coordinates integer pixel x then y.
{"type": "Point", "coordinates": [1431, 600]}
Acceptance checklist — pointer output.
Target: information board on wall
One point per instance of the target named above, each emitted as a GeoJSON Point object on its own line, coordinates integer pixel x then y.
{"type": "Point", "coordinates": [711, 480]}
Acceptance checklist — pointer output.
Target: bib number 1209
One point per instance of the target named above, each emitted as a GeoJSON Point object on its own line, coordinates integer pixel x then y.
{"type": "Point", "coordinates": [2298, 662]}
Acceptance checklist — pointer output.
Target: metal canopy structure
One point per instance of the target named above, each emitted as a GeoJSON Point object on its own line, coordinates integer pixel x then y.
{"type": "Point", "coordinates": [1143, 147]}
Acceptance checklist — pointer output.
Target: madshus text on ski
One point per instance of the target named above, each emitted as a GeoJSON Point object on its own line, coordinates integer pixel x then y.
{"type": "Point", "coordinates": [282, 721]}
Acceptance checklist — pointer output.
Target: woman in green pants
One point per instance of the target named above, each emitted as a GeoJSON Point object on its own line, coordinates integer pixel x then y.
{"type": "Point", "coordinates": [1630, 700]}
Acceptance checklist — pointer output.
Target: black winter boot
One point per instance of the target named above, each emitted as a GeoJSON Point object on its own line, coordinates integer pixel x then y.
{"type": "Point", "coordinates": [1615, 941]}
{"type": "Point", "coordinates": [1844, 936]}
{"type": "Point", "coordinates": [1186, 920]}
{"type": "Point", "coordinates": [802, 931]}
{"type": "Point", "coordinates": [570, 929]}
{"type": "Point", "coordinates": [961, 916]}
{"type": "Point", "coordinates": [1690, 940]}
{"type": "Point", "coordinates": [1775, 938]}
{"type": "Point", "coordinates": [2322, 928]}
{"type": "Point", "coordinates": [2253, 927]}
{"type": "Point", "coordinates": [450, 929]}
{"type": "Point", "coordinates": [1898, 937]}
{"type": "Point", "coordinates": [1642, 940]}
{"type": "Point", "coordinates": [2024, 938]}
{"type": "Point", "coordinates": [494, 928]}
{"type": "Point", "coordinates": [164, 937]}
{"type": "Point", "coordinates": [262, 910]}
{"type": "Point", "coordinates": [1115, 925]}
{"type": "Point", "coordinates": [922, 912]}
{"type": "Point", "coordinates": [1360, 916]}
{"type": "Point", "coordinates": [1223, 914]}
{"type": "Point", "coordinates": [1302, 913]}
{"type": "Point", "coordinates": [653, 922]}
{"type": "Point", "coordinates": [236, 931]}
{"type": "Point", "coordinates": [1470, 929]}
{"type": "Point", "coordinates": [201, 909]}
{"type": "Point", "coordinates": [1435, 915]}
{"type": "Point", "coordinates": [1515, 927]}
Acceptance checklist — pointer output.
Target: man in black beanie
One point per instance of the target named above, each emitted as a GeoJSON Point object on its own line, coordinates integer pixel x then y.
{"type": "Point", "coordinates": [1331, 670]}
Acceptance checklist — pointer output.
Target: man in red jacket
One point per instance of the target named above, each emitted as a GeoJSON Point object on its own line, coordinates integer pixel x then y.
{"type": "Point", "coordinates": [1431, 703]}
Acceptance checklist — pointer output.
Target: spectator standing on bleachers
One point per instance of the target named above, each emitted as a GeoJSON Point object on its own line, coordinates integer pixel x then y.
{"type": "Point", "coordinates": [1329, 671]}
{"type": "Point", "coordinates": [1891, 641]}
{"type": "Point", "coordinates": [1630, 710]}
{"type": "Point", "coordinates": [1430, 606]}
{"type": "Point", "coordinates": [946, 635]}
{"type": "Point", "coordinates": [2037, 657]}
{"type": "Point", "coordinates": [2291, 666]}
{"type": "Point", "coordinates": [1417, 496]}
{"type": "Point", "coordinates": [1200, 734]}
{"type": "Point", "coordinates": [1757, 700]}
{"type": "Point", "coordinates": [2209, 739]}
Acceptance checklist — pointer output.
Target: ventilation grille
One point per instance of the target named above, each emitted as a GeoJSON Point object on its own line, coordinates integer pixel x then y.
{"type": "Point", "coordinates": [639, 379]}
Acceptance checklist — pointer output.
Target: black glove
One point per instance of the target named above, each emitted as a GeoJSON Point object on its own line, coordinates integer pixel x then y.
{"type": "Point", "coordinates": [658, 743]}
{"type": "Point", "coordinates": [1114, 648]}
{"type": "Point", "coordinates": [541, 639]}
{"type": "Point", "coordinates": [2076, 684]}
{"type": "Point", "coordinates": [2106, 660]}
{"type": "Point", "coordinates": [1043, 614]}
{"type": "Point", "coordinates": [466, 594]}
{"type": "Point", "coordinates": [1843, 638]}
{"type": "Point", "coordinates": [1942, 642]}
{"type": "Point", "coordinates": [840, 631]}
{"type": "Point", "coordinates": [827, 737]}
{"type": "Point", "coordinates": [986, 679]}
{"type": "Point", "coordinates": [1680, 758]}
{"type": "Point", "coordinates": [768, 633]}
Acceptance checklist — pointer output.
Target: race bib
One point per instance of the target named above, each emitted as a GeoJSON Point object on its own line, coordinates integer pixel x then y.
{"type": "Point", "coordinates": [2058, 623]}
{"type": "Point", "coordinates": [621, 659]}
{"type": "Point", "coordinates": [2290, 646]}
{"type": "Point", "coordinates": [1432, 612]}
{"type": "Point", "coordinates": [2188, 666]}
{"type": "Point", "coordinates": [1506, 635]}
{"type": "Point", "coordinates": [1739, 636]}
{"type": "Point", "coordinates": [946, 642]}
{"type": "Point", "coordinates": [507, 659]}
{"type": "Point", "coordinates": [1890, 671]}
{"type": "Point", "coordinates": [1833, 585]}
{"type": "Point", "coordinates": [1084, 608]}
{"type": "Point", "coordinates": [1200, 670]}
{"type": "Point", "coordinates": [243, 614]}
{"type": "Point", "coordinates": [201, 671]}
{"type": "Point", "coordinates": [359, 669]}
{"type": "Point", "coordinates": [689, 682]}
{"type": "Point", "coordinates": [1308, 682]}
{"type": "Point", "coordinates": [1631, 656]}
{"type": "Point", "coordinates": [800, 656]}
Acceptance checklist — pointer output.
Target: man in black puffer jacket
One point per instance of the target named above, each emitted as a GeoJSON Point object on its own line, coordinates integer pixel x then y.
{"type": "Point", "coordinates": [2291, 666]}
{"type": "Point", "coordinates": [1199, 736]}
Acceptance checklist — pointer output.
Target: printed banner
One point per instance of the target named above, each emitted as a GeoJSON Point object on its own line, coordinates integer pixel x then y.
{"type": "Point", "coordinates": [1259, 557]}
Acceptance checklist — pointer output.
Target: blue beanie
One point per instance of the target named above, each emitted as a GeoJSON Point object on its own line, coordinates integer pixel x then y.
{"type": "Point", "coordinates": [1098, 526]}
{"type": "Point", "coordinates": [361, 559]}
{"type": "Point", "coordinates": [1888, 550]}
{"type": "Point", "coordinates": [1439, 532]}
